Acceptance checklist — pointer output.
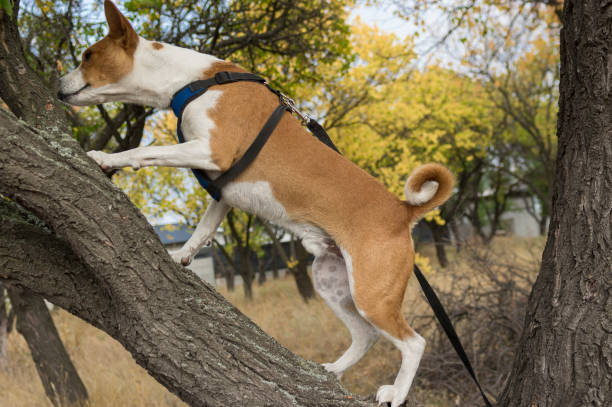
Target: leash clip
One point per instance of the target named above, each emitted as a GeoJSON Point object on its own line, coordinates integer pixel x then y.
{"type": "Point", "coordinates": [291, 105]}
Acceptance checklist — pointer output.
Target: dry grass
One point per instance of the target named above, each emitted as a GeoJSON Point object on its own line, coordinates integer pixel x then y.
{"type": "Point", "coordinates": [311, 330]}
{"type": "Point", "coordinates": [111, 376]}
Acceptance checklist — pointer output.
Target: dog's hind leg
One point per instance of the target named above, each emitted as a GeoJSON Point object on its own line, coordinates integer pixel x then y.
{"type": "Point", "coordinates": [378, 297]}
{"type": "Point", "coordinates": [332, 284]}
{"type": "Point", "coordinates": [203, 234]}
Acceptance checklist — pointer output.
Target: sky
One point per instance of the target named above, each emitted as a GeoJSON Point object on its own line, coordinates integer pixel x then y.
{"type": "Point", "coordinates": [384, 18]}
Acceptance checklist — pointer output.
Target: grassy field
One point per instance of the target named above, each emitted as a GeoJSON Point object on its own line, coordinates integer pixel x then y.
{"type": "Point", "coordinates": [311, 330]}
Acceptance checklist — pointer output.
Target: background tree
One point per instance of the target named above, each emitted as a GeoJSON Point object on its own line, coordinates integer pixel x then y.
{"type": "Point", "coordinates": [512, 48]}
{"type": "Point", "coordinates": [527, 92]}
{"type": "Point", "coordinates": [7, 317]}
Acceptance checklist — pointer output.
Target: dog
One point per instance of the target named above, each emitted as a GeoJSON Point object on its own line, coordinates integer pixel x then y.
{"type": "Point", "coordinates": [358, 232]}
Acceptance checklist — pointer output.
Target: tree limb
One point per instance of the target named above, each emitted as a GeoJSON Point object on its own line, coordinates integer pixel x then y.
{"type": "Point", "coordinates": [181, 330]}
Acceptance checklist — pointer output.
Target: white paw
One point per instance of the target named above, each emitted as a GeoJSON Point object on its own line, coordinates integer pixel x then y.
{"type": "Point", "coordinates": [101, 158]}
{"type": "Point", "coordinates": [389, 394]}
{"type": "Point", "coordinates": [332, 368]}
{"type": "Point", "coordinates": [181, 257]}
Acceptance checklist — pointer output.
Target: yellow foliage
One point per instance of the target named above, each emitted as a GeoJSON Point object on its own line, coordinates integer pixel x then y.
{"type": "Point", "coordinates": [424, 264]}
{"type": "Point", "coordinates": [389, 117]}
{"type": "Point", "coordinates": [293, 262]}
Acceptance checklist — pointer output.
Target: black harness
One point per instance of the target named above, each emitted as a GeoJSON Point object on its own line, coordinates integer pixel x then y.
{"type": "Point", "coordinates": [195, 89]}
{"type": "Point", "coordinates": [189, 93]}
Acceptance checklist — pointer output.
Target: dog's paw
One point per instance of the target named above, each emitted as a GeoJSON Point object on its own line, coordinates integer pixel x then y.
{"type": "Point", "coordinates": [101, 158]}
{"type": "Point", "coordinates": [181, 257]}
{"type": "Point", "coordinates": [388, 394]}
{"type": "Point", "coordinates": [385, 394]}
{"type": "Point", "coordinates": [332, 368]}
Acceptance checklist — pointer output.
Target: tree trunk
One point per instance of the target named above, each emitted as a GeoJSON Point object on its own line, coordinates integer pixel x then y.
{"type": "Point", "coordinates": [564, 357]}
{"type": "Point", "coordinates": [110, 268]}
{"type": "Point", "coordinates": [300, 272]}
{"type": "Point", "coordinates": [6, 323]}
{"type": "Point", "coordinates": [228, 272]}
{"type": "Point", "coordinates": [440, 237]}
{"type": "Point", "coordinates": [59, 378]}
{"type": "Point", "coordinates": [3, 339]}
{"type": "Point", "coordinates": [302, 279]}
{"type": "Point", "coordinates": [261, 275]}
{"type": "Point", "coordinates": [274, 263]}
{"type": "Point", "coordinates": [458, 238]}
{"type": "Point", "coordinates": [230, 281]}
{"type": "Point", "coordinates": [246, 272]}
{"type": "Point", "coordinates": [542, 224]}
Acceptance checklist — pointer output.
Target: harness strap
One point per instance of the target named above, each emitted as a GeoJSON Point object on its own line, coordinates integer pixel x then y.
{"type": "Point", "coordinates": [252, 151]}
{"type": "Point", "coordinates": [192, 91]}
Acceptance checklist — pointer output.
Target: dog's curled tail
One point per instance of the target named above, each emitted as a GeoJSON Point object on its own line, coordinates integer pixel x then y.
{"type": "Point", "coordinates": [428, 186]}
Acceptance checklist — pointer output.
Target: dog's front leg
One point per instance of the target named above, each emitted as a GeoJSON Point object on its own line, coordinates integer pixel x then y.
{"type": "Point", "coordinates": [192, 154]}
{"type": "Point", "coordinates": [203, 234]}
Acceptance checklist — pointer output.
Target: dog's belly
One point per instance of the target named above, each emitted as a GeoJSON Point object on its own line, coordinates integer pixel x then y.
{"type": "Point", "coordinates": [257, 198]}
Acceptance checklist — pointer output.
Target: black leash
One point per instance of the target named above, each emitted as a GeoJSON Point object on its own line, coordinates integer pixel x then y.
{"type": "Point", "coordinates": [195, 89]}
{"type": "Point", "coordinates": [447, 325]}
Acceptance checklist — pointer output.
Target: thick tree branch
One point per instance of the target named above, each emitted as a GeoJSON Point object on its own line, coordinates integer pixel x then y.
{"type": "Point", "coordinates": [182, 331]}
{"type": "Point", "coordinates": [31, 256]}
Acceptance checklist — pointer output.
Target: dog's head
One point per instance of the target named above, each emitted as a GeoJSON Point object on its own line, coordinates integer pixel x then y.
{"type": "Point", "coordinates": [106, 66]}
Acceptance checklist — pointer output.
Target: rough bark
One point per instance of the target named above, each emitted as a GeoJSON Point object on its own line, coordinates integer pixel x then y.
{"type": "Point", "coordinates": [59, 378]}
{"type": "Point", "coordinates": [20, 88]}
{"type": "Point", "coordinates": [185, 334]}
{"type": "Point", "coordinates": [564, 356]}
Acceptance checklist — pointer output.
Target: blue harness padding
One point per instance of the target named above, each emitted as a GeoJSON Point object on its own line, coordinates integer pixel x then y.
{"type": "Point", "coordinates": [180, 100]}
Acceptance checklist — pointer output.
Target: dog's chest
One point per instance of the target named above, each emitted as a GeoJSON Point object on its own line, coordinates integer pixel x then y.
{"type": "Point", "coordinates": [197, 123]}
{"type": "Point", "coordinates": [256, 198]}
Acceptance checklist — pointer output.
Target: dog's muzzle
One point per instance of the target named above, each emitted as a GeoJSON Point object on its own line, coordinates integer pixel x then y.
{"type": "Point", "coordinates": [63, 96]}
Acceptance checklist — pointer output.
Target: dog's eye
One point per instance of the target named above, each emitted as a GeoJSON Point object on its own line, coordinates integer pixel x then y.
{"type": "Point", "coordinates": [86, 56]}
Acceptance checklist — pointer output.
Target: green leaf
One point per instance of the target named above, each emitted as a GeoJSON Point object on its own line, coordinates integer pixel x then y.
{"type": "Point", "coordinates": [7, 5]}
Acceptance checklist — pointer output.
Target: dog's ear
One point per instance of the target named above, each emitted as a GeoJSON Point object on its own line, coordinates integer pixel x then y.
{"type": "Point", "coordinates": [120, 28]}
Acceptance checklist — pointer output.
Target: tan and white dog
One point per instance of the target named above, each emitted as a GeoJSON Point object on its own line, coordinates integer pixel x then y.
{"type": "Point", "coordinates": [358, 232]}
